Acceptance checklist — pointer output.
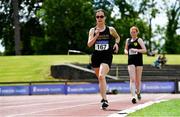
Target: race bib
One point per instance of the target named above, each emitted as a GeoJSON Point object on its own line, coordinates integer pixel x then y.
{"type": "Point", "coordinates": [131, 52]}
{"type": "Point", "coordinates": [101, 45]}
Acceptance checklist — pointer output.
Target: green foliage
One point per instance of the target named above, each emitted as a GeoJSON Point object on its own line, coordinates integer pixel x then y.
{"type": "Point", "coordinates": [126, 10]}
{"type": "Point", "coordinates": [28, 25]}
{"type": "Point", "coordinates": [172, 39]}
{"type": "Point", "coordinates": [54, 26]}
{"type": "Point", "coordinates": [68, 23]}
{"type": "Point", "coordinates": [6, 27]}
{"type": "Point", "coordinates": [129, 17]}
{"type": "Point", "coordinates": [29, 30]}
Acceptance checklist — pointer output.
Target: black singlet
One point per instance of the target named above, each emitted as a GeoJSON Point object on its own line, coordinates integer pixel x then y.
{"type": "Point", "coordinates": [103, 49]}
{"type": "Point", "coordinates": [134, 58]}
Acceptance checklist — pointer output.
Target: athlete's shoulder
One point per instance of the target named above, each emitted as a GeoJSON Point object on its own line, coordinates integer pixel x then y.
{"type": "Point", "coordinates": [92, 29]}
{"type": "Point", "coordinates": [127, 39]}
{"type": "Point", "coordinates": [140, 39]}
{"type": "Point", "coordinates": [111, 28]}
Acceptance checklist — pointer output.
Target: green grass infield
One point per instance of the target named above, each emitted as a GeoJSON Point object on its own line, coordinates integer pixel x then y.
{"type": "Point", "coordinates": [163, 109]}
{"type": "Point", "coordinates": [37, 68]}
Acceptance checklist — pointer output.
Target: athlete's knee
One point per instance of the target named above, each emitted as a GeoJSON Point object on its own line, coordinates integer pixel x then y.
{"type": "Point", "coordinates": [104, 67]}
{"type": "Point", "coordinates": [101, 77]}
{"type": "Point", "coordinates": [132, 80]}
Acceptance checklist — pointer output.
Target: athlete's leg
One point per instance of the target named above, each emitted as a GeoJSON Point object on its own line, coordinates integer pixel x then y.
{"type": "Point", "coordinates": [96, 71]}
{"type": "Point", "coordinates": [138, 80]}
{"type": "Point", "coordinates": [132, 75]}
{"type": "Point", "coordinates": [103, 70]}
{"type": "Point", "coordinates": [100, 73]}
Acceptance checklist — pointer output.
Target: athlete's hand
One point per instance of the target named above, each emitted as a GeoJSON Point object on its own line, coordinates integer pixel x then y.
{"type": "Point", "coordinates": [134, 49]}
{"type": "Point", "coordinates": [116, 48]}
{"type": "Point", "coordinates": [97, 31]}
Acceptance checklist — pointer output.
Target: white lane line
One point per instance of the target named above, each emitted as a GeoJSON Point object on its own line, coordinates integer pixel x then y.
{"type": "Point", "coordinates": [125, 112]}
{"type": "Point", "coordinates": [36, 104]}
{"type": "Point", "coordinates": [53, 109]}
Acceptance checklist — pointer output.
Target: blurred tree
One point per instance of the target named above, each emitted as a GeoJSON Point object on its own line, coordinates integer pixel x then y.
{"type": "Point", "coordinates": [129, 16]}
{"type": "Point", "coordinates": [172, 42]}
{"type": "Point", "coordinates": [17, 37]}
{"type": "Point", "coordinates": [6, 27]}
{"type": "Point", "coordinates": [31, 31]}
{"type": "Point", "coordinates": [126, 10]}
{"type": "Point", "coordinates": [149, 9]}
{"type": "Point", "coordinates": [60, 25]}
{"type": "Point", "coordinates": [30, 25]}
{"type": "Point", "coordinates": [159, 45]}
{"type": "Point", "coordinates": [67, 25]}
{"type": "Point", "coordinates": [107, 7]}
{"type": "Point", "coordinates": [26, 12]}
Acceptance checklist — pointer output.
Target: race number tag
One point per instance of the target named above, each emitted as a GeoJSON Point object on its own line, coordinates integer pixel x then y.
{"type": "Point", "coordinates": [131, 52]}
{"type": "Point", "coordinates": [102, 45]}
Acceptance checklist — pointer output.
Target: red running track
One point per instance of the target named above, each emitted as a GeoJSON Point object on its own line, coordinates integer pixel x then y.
{"type": "Point", "coordinates": [84, 105]}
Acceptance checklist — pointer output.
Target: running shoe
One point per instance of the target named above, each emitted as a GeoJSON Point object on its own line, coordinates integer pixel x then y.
{"type": "Point", "coordinates": [139, 96]}
{"type": "Point", "coordinates": [104, 104]}
{"type": "Point", "coordinates": [134, 100]}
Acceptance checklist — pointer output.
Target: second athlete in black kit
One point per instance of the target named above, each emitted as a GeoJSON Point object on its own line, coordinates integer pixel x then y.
{"type": "Point", "coordinates": [134, 48]}
{"type": "Point", "coordinates": [134, 57]}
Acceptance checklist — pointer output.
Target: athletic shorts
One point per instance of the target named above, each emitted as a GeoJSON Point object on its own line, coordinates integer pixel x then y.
{"type": "Point", "coordinates": [135, 61]}
{"type": "Point", "coordinates": [97, 59]}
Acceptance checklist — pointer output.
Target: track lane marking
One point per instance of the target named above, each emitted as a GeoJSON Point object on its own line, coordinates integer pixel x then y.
{"type": "Point", "coordinates": [125, 112]}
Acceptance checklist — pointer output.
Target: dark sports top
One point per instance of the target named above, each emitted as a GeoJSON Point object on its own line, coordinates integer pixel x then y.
{"type": "Point", "coordinates": [103, 43]}
{"type": "Point", "coordinates": [134, 44]}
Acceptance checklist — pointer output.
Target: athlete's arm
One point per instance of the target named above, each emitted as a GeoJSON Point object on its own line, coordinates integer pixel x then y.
{"type": "Point", "coordinates": [143, 47]}
{"type": "Point", "coordinates": [117, 39]}
{"type": "Point", "coordinates": [92, 38]}
{"type": "Point", "coordinates": [114, 34]}
{"type": "Point", "coordinates": [126, 47]}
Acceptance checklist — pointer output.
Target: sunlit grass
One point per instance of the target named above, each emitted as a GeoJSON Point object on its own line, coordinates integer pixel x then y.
{"type": "Point", "coordinates": [37, 68]}
{"type": "Point", "coordinates": [163, 109]}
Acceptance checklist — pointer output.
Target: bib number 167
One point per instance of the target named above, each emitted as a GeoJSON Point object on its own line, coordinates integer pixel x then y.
{"type": "Point", "coordinates": [101, 47]}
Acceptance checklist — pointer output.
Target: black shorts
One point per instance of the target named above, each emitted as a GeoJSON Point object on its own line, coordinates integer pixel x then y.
{"type": "Point", "coordinates": [97, 59]}
{"type": "Point", "coordinates": [137, 61]}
